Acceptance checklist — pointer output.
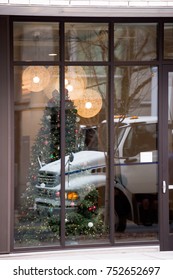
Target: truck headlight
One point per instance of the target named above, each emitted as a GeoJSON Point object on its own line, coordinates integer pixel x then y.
{"type": "Point", "coordinates": [72, 196]}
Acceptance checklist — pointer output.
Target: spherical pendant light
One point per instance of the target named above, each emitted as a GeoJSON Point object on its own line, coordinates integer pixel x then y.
{"type": "Point", "coordinates": [35, 78]}
{"type": "Point", "coordinates": [90, 104]}
{"type": "Point", "coordinates": [76, 72]}
{"type": "Point", "coordinates": [75, 81]}
{"type": "Point", "coordinates": [75, 87]}
{"type": "Point", "coordinates": [53, 82]}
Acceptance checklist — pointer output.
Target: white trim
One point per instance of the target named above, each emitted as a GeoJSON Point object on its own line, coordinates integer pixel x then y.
{"type": "Point", "coordinates": [81, 11]}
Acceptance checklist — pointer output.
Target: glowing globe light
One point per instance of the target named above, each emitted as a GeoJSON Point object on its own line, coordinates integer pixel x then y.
{"type": "Point", "coordinates": [90, 104]}
{"type": "Point", "coordinates": [69, 88]}
{"type": "Point", "coordinates": [36, 80]}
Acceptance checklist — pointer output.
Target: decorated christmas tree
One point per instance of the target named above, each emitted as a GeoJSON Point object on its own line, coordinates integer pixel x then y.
{"type": "Point", "coordinates": [47, 143]}
{"type": "Point", "coordinates": [46, 147]}
{"type": "Point", "coordinates": [87, 219]}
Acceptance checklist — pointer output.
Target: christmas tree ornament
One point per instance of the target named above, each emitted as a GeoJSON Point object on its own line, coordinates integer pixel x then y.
{"type": "Point", "coordinates": [72, 204]}
{"type": "Point", "coordinates": [48, 117]}
{"type": "Point", "coordinates": [90, 224]}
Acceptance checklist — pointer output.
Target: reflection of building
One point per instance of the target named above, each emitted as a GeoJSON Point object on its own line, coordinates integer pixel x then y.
{"type": "Point", "coordinates": [110, 68]}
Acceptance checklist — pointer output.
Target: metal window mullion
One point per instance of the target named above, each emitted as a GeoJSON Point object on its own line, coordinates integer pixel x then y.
{"type": "Point", "coordinates": [161, 124]}
{"type": "Point", "coordinates": [111, 129]}
{"type": "Point", "coordinates": [62, 135]}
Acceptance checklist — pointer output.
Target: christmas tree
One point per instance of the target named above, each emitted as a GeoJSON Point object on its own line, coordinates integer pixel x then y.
{"type": "Point", "coordinates": [47, 144]}
{"type": "Point", "coordinates": [86, 220]}
{"type": "Point", "coordinates": [46, 147]}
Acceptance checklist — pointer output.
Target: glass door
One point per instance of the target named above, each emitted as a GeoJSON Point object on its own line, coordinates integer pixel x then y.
{"type": "Point", "coordinates": [135, 133]}
{"type": "Point", "coordinates": [136, 154]}
{"type": "Point", "coordinates": [167, 172]}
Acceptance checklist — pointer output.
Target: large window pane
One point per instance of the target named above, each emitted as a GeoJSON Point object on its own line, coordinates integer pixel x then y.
{"type": "Point", "coordinates": [86, 41]}
{"type": "Point", "coordinates": [135, 41]}
{"type": "Point", "coordinates": [168, 40]}
{"type": "Point", "coordinates": [86, 163]}
{"type": "Point", "coordinates": [136, 155]}
{"type": "Point", "coordinates": [37, 147]}
{"type": "Point", "coordinates": [36, 41]}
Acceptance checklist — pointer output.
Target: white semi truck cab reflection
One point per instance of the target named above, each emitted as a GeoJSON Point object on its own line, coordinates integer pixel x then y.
{"type": "Point", "coordinates": [135, 172]}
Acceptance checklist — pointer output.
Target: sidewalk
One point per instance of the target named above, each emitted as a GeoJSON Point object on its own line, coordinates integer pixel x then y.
{"type": "Point", "coordinates": [125, 253]}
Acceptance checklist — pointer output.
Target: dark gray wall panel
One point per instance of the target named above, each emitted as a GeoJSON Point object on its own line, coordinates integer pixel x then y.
{"type": "Point", "coordinates": [5, 173]}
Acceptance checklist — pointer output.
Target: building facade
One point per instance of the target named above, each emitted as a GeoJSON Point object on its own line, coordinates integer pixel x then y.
{"type": "Point", "coordinates": [86, 124]}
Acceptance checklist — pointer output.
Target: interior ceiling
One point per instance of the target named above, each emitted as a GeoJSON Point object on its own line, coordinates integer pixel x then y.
{"type": "Point", "coordinates": [88, 11]}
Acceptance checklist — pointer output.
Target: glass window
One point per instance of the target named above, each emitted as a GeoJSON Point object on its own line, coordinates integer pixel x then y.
{"type": "Point", "coordinates": [168, 40]}
{"type": "Point", "coordinates": [37, 146]}
{"type": "Point", "coordinates": [136, 155]}
{"type": "Point", "coordinates": [135, 41]}
{"type": "Point", "coordinates": [37, 156]}
{"type": "Point", "coordinates": [85, 69]}
{"type": "Point", "coordinates": [86, 165]}
{"type": "Point", "coordinates": [86, 41]}
{"type": "Point", "coordinates": [141, 138]}
{"type": "Point", "coordinates": [135, 89]}
{"type": "Point", "coordinates": [36, 41]}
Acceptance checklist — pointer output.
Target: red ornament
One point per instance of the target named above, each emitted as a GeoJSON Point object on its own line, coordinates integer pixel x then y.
{"type": "Point", "coordinates": [92, 208]}
{"type": "Point", "coordinates": [57, 194]}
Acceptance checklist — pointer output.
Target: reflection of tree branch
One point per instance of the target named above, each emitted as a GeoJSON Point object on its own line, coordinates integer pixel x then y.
{"type": "Point", "coordinates": [130, 88]}
{"type": "Point", "coordinates": [141, 68]}
{"type": "Point", "coordinates": [95, 85]}
{"type": "Point", "coordinates": [138, 53]}
{"type": "Point", "coordinates": [137, 90]}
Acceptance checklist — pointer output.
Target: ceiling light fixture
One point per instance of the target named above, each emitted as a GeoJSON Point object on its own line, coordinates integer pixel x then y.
{"type": "Point", "coordinates": [90, 104]}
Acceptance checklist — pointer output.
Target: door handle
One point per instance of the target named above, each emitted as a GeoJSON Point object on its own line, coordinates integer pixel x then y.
{"type": "Point", "coordinates": [170, 187]}
{"type": "Point", "coordinates": [164, 187]}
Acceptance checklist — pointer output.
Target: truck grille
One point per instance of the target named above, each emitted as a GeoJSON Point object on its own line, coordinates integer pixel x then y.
{"type": "Point", "coordinates": [43, 192]}
{"type": "Point", "coordinates": [50, 179]}
{"type": "Point", "coordinates": [44, 204]}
